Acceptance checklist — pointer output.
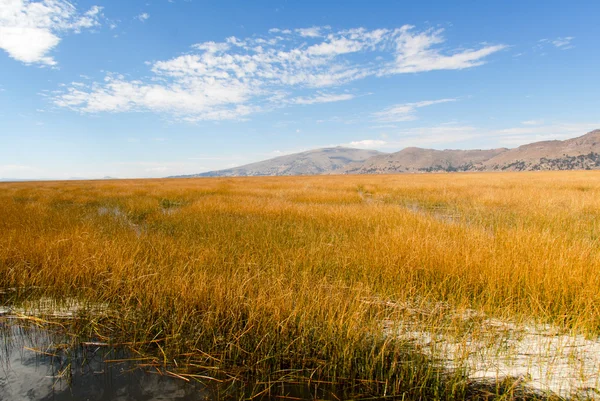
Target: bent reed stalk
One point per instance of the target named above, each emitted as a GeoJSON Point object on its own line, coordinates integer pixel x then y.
{"type": "Point", "coordinates": [289, 278]}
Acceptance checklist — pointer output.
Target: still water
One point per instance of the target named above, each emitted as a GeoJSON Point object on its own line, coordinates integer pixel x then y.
{"type": "Point", "coordinates": [40, 362]}
{"type": "Point", "coordinates": [36, 365]}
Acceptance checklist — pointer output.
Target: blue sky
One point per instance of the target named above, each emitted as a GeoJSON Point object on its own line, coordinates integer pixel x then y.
{"type": "Point", "coordinates": [154, 88]}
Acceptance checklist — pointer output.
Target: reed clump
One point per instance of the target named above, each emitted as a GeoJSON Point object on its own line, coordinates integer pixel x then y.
{"type": "Point", "coordinates": [289, 278]}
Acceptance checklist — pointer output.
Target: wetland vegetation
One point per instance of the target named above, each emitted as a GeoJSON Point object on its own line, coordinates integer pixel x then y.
{"type": "Point", "coordinates": [397, 286]}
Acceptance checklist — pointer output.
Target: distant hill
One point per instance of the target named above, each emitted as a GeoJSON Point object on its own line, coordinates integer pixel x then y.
{"type": "Point", "coordinates": [312, 162]}
{"type": "Point", "coordinates": [423, 160]}
{"type": "Point", "coordinates": [581, 153]}
{"type": "Point", "coordinates": [578, 153]}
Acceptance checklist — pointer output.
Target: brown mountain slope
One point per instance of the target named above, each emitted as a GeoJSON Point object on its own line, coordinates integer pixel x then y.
{"type": "Point", "coordinates": [312, 162]}
{"type": "Point", "coordinates": [423, 160]}
{"type": "Point", "coordinates": [580, 152]}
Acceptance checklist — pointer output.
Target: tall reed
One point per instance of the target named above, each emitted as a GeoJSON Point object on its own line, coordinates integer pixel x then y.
{"type": "Point", "coordinates": [276, 278]}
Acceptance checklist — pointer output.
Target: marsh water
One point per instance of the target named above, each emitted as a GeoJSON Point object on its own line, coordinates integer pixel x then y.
{"type": "Point", "coordinates": [39, 360]}
{"type": "Point", "coordinates": [39, 363]}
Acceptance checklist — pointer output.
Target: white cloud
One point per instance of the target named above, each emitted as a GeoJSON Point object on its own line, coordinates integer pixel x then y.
{"type": "Point", "coordinates": [240, 76]}
{"type": "Point", "coordinates": [30, 30]}
{"type": "Point", "coordinates": [367, 144]}
{"type": "Point", "coordinates": [322, 98]}
{"type": "Point", "coordinates": [281, 31]}
{"type": "Point", "coordinates": [143, 17]}
{"type": "Point", "coordinates": [416, 52]}
{"type": "Point", "coordinates": [406, 111]}
{"type": "Point", "coordinates": [313, 32]}
{"type": "Point", "coordinates": [212, 47]}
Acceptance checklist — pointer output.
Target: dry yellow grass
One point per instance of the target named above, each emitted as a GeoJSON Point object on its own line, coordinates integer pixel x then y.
{"type": "Point", "coordinates": [267, 276]}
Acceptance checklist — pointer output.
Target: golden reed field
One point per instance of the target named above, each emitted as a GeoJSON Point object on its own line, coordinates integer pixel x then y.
{"type": "Point", "coordinates": [310, 279]}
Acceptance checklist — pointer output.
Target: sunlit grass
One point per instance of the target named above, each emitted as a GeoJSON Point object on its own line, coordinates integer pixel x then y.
{"type": "Point", "coordinates": [266, 276]}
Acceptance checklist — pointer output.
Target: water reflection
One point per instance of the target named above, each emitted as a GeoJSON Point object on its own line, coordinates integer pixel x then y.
{"type": "Point", "coordinates": [34, 366]}
{"type": "Point", "coordinates": [40, 362]}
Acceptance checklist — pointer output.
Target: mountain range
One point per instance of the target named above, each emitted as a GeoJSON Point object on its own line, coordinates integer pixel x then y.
{"type": "Point", "coordinates": [312, 162]}
{"type": "Point", "coordinates": [581, 153]}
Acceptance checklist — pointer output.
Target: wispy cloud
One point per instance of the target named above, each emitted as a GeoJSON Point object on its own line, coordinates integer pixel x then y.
{"type": "Point", "coordinates": [30, 30]}
{"type": "Point", "coordinates": [241, 76]}
{"type": "Point", "coordinates": [562, 43]}
{"type": "Point", "coordinates": [417, 52]}
{"type": "Point", "coordinates": [143, 17]}
{"type": "Point", "coordinates": [405, 111]}
{"type": "Point", "coordinates": [322, 98]}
